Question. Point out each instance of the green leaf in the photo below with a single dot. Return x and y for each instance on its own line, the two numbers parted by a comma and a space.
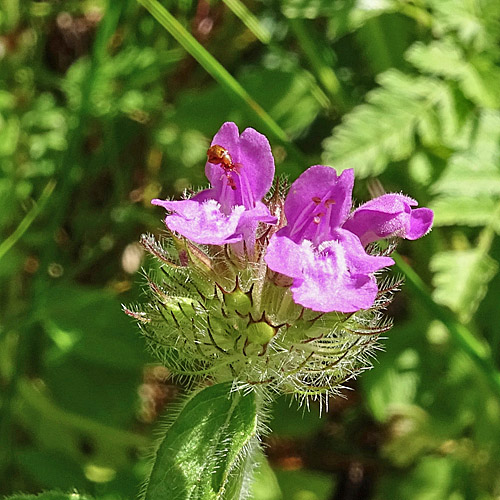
305, 485
464, 211
469, 188
477, 76
350, 16
475, 23
465, 177
384, 39
384, 129
52, 469
394, 384
49, 495
290, 421
265, 484
9, 136
433, 478
205, 446
73, 382
71, 436
474, 172
461, 279
90, 323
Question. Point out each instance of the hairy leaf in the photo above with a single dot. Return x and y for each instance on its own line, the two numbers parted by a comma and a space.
203, 449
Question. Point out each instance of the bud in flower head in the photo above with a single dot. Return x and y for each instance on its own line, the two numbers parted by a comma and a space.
290, 302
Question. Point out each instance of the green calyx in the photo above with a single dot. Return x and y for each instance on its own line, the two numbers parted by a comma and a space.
260, 333
210, 317
238, 302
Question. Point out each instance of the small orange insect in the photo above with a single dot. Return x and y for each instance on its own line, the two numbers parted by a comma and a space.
217, 155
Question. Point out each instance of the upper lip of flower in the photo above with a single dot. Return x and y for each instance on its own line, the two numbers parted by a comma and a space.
253, 172
318, 202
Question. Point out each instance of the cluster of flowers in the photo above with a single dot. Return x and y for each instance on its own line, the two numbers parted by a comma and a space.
279, 291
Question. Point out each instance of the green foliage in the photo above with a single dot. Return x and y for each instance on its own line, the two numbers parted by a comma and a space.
50, 495
476, 75
461, 279
205, 448
102, 109
384, 129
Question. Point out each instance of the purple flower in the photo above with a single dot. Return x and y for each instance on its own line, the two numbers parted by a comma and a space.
240, 170
322, 245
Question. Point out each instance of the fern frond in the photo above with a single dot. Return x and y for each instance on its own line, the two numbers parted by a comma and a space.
475, 23
476, 74
461, 279
384, 128
468, 190
463, 211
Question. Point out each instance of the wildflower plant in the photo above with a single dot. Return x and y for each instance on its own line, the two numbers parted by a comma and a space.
261, 290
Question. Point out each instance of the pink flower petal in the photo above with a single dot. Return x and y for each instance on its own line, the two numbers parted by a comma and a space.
203, 223
231, 210
332, 278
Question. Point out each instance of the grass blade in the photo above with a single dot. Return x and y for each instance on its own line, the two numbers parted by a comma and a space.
249, 20
219, 73
8, 243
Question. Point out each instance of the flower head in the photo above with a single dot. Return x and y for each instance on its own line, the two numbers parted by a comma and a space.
240, 169
322, 245
301, 311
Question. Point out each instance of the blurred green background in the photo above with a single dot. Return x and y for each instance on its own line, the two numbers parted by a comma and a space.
103, 107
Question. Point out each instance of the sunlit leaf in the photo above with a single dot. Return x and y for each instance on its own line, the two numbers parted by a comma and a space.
461, 279
204, 446
384, 128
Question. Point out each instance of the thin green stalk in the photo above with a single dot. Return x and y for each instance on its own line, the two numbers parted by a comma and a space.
8, 243
324, 73
249, 20
477, 350
219, 73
